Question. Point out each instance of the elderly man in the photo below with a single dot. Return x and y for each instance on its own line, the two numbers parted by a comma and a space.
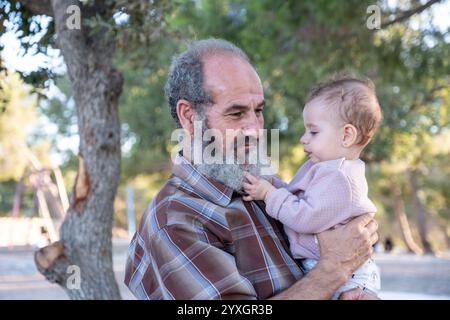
198, 239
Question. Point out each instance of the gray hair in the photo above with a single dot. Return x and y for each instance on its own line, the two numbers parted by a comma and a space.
185, 79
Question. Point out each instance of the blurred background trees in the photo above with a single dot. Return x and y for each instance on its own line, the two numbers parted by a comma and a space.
293, 45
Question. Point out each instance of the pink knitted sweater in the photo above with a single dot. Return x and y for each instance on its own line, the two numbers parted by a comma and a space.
319, 197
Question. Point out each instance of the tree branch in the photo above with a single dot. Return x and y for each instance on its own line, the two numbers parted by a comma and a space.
38, 7
51, 262
409, 13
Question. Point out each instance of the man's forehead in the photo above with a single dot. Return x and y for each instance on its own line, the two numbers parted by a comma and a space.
222, 61
224, 71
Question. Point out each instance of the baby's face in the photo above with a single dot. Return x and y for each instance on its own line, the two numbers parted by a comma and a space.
324, 131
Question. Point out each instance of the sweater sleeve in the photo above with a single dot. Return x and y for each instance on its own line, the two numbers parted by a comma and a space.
326, 203
277, 182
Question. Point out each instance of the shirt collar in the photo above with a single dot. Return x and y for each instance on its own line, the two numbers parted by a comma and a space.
209, 188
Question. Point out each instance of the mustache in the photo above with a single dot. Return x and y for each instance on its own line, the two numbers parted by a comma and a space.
246, 140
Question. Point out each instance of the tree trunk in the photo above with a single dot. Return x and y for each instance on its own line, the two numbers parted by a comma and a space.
87, 229
399, 210
420, 212
447, 237
17, 198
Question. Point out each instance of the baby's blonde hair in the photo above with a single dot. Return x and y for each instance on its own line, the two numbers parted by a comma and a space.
355, 99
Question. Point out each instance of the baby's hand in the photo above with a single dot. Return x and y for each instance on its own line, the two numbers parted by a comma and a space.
256, 188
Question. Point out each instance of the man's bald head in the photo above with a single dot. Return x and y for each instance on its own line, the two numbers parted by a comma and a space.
186, 76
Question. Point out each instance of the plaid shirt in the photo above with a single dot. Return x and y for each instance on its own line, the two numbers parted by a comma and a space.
199, 240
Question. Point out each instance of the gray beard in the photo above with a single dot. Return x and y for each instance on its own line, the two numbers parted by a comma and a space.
230, 175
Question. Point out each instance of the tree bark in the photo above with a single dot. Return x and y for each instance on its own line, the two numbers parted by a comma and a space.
399, 210
87, 229
420, 212
447, 237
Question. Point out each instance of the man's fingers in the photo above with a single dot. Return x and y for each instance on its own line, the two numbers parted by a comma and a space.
353, 294
247, 198
368, 296
363, 221
374, 238
368, 227
358, 294
372, 227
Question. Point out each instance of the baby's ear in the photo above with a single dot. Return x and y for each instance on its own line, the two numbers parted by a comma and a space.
350, 135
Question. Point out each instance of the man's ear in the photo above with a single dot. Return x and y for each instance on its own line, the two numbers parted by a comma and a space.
186, 115
350, 135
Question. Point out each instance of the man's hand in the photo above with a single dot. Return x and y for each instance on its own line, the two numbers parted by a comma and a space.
342, 251
357, 294
347, 247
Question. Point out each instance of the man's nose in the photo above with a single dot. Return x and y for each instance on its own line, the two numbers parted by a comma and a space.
252, 126
252, 132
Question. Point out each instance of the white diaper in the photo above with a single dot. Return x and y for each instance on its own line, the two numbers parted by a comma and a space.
367, 277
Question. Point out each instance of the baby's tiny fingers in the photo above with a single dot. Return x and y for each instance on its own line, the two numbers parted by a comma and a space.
246, 185
251, 177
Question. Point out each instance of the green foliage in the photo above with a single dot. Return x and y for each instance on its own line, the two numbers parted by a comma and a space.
293, 45
34, 32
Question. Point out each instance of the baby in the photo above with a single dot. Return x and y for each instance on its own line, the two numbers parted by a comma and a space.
340, 118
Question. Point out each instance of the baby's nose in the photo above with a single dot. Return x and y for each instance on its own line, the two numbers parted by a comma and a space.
303, 140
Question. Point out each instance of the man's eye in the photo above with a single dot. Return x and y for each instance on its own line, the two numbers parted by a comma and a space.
259, 110
236, 114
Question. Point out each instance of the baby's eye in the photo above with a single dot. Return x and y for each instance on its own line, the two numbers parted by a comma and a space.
314, 132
